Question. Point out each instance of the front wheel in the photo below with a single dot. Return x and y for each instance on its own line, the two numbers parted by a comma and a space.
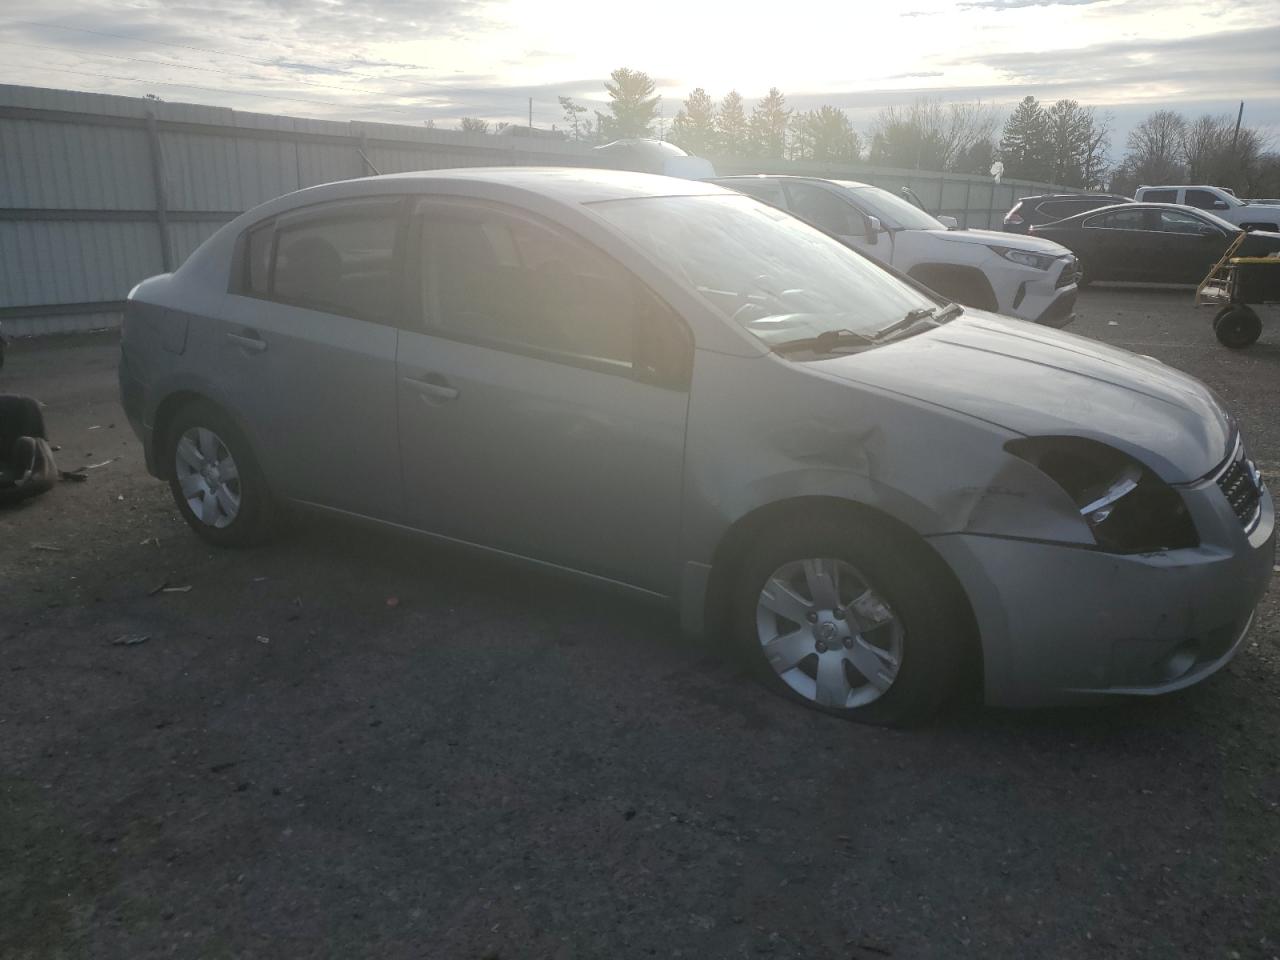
847, 619
1237, 326
215, 479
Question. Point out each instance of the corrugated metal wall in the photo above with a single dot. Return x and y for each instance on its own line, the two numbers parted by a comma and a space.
98, 192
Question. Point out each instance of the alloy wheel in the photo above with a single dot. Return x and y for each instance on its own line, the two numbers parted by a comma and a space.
208, 476
828, 633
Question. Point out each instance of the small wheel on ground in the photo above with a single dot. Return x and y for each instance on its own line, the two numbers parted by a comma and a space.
215, 479
846, 618
1237, 326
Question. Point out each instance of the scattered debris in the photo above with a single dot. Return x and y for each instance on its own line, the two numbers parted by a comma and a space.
1113, 323
95, 466
259, 579
77, 474
96, 426
262, 639
131, 639
167, 587
393, 601
155, 540
48, 546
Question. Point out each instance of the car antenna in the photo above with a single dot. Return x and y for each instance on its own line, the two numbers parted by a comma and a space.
368, 163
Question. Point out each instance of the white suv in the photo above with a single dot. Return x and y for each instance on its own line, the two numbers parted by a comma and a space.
1251, 215
1020, 276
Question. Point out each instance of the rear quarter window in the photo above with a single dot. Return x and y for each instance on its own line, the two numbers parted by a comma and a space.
1160, 196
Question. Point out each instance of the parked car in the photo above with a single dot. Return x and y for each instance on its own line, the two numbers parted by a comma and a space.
687, 394
1033, 211
1023, 277
1154, 242
1216, 200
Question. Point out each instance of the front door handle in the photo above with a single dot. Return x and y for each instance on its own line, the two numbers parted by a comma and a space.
432, 391
248, 341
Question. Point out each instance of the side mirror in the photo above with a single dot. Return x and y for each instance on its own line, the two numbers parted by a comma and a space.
951, 223
874, 229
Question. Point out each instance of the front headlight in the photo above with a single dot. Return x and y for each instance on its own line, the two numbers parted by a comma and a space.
1041, 261
1126, 506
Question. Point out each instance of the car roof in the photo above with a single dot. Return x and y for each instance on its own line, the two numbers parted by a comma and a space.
567, 184
1076, 196
1132, 205
789, 176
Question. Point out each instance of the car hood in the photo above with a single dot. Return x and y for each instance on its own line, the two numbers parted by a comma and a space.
1041, 382
1011, 241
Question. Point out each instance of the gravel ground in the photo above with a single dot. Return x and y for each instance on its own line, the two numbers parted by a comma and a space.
500, 764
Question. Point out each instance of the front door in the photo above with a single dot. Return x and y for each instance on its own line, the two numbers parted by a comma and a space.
832, 213
543, 395
1190, 246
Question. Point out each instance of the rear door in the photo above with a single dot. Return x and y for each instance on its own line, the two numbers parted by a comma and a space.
1117, 245
312, 333
543, 393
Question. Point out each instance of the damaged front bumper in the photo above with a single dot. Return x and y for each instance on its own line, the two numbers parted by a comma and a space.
1061, 622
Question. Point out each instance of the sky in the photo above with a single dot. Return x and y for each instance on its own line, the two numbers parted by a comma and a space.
409, 61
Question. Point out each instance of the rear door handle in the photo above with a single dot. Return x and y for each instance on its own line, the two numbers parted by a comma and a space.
249, 340
432, 391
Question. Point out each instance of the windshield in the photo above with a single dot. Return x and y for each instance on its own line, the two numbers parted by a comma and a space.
773, 275
894, 212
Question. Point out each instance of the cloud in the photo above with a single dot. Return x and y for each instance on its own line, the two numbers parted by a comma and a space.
1022, 4
924, 74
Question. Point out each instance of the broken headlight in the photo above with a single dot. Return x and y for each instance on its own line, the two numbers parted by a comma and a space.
1126, 506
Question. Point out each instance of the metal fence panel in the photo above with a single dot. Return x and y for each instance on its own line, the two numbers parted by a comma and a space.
98, 192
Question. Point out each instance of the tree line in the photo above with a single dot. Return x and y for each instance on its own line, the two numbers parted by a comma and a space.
1064, 143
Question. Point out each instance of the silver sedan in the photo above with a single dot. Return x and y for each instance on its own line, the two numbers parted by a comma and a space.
877, 495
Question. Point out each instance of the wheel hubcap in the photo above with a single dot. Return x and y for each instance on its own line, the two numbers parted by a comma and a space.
828, 633
208, 477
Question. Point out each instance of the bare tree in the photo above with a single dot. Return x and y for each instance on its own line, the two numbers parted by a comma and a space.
1156, 148
473, 125
930, 135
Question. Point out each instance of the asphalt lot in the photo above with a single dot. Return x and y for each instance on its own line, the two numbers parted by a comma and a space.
500, 764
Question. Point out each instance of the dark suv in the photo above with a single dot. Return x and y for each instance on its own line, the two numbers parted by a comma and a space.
1050, 208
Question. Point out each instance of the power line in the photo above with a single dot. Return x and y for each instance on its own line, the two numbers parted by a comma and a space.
223, 90
188, 66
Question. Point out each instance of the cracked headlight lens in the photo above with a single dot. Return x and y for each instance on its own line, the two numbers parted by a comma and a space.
1125, 505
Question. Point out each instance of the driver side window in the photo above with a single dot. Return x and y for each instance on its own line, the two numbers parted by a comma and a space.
511, 282
824, 210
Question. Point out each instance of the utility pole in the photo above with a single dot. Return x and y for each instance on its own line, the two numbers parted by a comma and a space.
1236, 136
531, 113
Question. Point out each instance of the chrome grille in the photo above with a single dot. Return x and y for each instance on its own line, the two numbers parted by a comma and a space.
1241, 484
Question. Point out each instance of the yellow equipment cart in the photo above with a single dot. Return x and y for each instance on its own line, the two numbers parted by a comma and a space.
1233, 284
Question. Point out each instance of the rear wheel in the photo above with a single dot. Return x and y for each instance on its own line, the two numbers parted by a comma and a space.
1237, 326
215, 479
846, 618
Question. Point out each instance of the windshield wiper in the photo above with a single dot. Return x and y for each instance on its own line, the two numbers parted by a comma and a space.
932, 315
825, 342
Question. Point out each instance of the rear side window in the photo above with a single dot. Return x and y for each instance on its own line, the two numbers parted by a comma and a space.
342, 258
1119, 220
1061, 209
1161, 196
766, 190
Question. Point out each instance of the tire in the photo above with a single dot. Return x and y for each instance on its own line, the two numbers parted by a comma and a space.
20, 417
1237, 327
920, 652
208, 457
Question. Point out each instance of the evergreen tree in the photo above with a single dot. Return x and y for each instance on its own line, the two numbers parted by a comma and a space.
768, 123
833, 136
579, 126
1025, 144
733, 133
632, 103
694, 127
